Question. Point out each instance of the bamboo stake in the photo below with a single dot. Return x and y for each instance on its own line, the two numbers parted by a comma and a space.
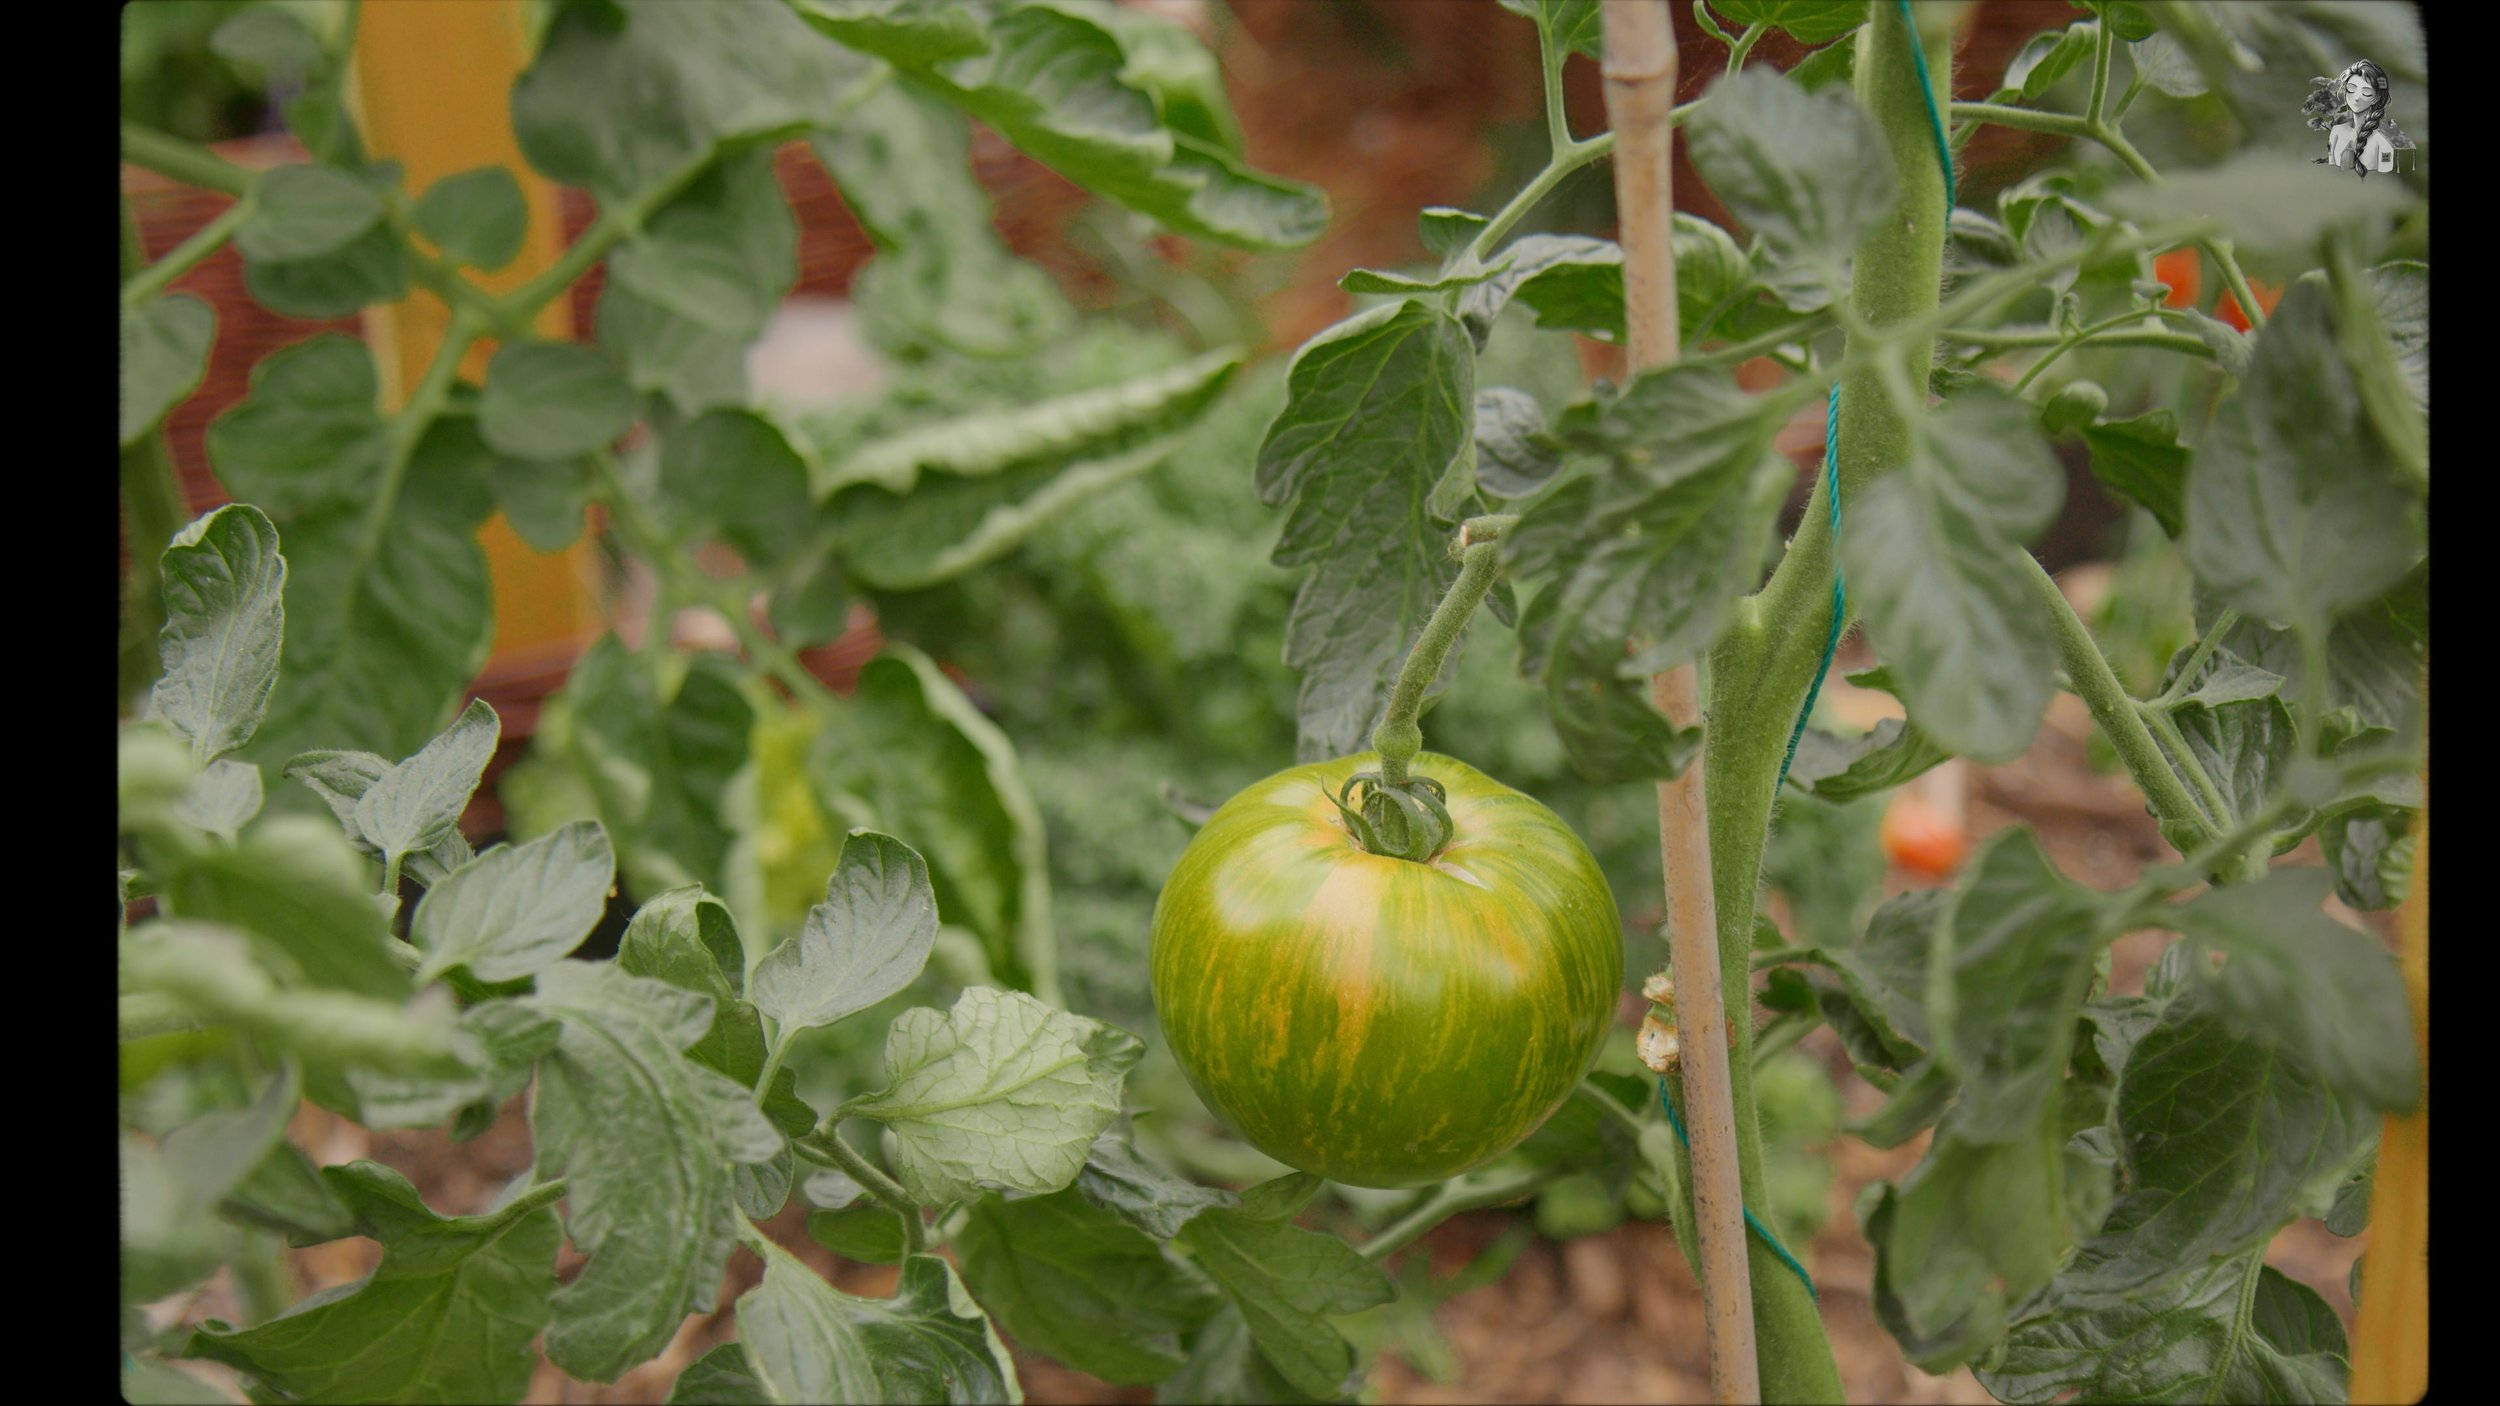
1640, 76
2391, 1343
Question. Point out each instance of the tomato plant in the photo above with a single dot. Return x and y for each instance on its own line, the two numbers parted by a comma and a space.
929, 966
1376, 1020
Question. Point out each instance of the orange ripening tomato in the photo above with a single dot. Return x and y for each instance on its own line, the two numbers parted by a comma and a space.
2229, 310
1920, 838
2182, 270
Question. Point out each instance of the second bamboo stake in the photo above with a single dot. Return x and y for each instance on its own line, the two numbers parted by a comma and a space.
1640, 75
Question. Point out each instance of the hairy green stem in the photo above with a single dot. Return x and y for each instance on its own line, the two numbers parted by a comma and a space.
2063, 124
2104, 39
2115, 709
2127, 99
407, 429
2206, 644
153, 510
2062, 342
1557, 122
827, 1145
2166, 728
183, 257
1762, 668
773, 1060
1739, 51
1449, 1199
2226, 257
611, 228
681, 581
1400, 736
187, 162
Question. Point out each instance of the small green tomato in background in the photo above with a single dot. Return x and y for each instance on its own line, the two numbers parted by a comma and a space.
2076, 404
1375, 1020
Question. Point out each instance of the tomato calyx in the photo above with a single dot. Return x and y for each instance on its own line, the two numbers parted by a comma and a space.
1408, 820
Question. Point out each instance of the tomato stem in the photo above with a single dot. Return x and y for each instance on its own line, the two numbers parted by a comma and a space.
826, 1145
1399, 736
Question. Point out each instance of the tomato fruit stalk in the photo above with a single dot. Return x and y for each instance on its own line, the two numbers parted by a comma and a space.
1373, 1019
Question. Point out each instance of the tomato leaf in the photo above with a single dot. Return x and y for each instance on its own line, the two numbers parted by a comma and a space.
516, 908
1284, 1280
475, 217
1514, 455
384, 629
737, 473
1806, 171
1226, 1368
656, 768
225, 625
805, 1340
633, 97
1806, 21
2142, 461
510, 1039
1569, 26
687, 938
1057, 82
1672, 534
1933, 560
866, 941
482, 1281
902, 159
553, 400
301, 212
2291, 514
416, 805
2330, 994
164, 347
2011, 961
1377, 408
305, 897
1000, 1093
1573, 282
722, 253
1146, 1196
2224, 1141
341, 780
370, 268
1075, 425
1843, 769
1077, 1282
2045, 58
2191, 1338
645, 1140
913, 747
661, 353
979, 486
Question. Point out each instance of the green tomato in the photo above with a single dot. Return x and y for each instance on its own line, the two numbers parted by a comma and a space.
1374, 1020
2076, 406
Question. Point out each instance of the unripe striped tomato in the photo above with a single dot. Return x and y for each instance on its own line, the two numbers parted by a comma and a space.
1374, 1020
